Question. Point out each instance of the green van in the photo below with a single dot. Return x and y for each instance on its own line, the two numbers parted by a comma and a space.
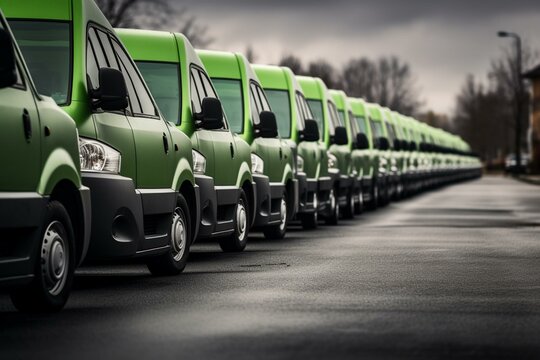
137, 165
297, 126
364, 151
222, 160
44, 208
250, 117
380, 138
324, 111
350, 181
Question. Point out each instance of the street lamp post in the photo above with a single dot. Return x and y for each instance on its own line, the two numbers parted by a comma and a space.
518, 95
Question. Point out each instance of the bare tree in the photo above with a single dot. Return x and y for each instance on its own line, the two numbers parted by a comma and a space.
155, 15
292, 62
324, 70
387, 81
250, 54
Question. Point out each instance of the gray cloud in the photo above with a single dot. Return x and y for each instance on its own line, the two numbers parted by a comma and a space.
442, 40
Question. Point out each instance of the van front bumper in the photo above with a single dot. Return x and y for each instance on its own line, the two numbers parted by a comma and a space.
117, 216
307, 191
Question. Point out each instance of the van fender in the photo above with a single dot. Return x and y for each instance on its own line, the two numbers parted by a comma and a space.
182, 173
244, 174
58, 166
287, 173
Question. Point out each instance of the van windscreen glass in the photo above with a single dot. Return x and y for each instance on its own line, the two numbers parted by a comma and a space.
279, 102
46, 46
230, 94
361, 123
316, 108
163, 81
341, 114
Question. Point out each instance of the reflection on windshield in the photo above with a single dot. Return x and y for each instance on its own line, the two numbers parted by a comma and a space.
230, 94
46, 48
163, 81
279, 102
316, 108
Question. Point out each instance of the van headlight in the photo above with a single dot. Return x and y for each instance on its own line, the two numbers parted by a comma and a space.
332, 161
96, 156
299, 163
257, 164
199, 162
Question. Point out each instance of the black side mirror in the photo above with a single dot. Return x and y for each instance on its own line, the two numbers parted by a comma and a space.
268, 125
340, 136
8, 75
397, 145
383, 143
412, 146
362, 142
112, 92
211, 115
311, 131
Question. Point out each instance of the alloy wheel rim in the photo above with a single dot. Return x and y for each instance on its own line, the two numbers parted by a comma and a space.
178, 235
241, 221
283, 212
54, 258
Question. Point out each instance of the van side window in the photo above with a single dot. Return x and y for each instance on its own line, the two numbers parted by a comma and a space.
264, 100
255, 105
145, 100
107, 47
208, 88
194, 94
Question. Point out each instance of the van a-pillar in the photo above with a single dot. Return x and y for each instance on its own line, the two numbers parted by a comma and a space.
534, 76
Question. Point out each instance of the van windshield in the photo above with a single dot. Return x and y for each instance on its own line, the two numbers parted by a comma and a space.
341, 114
163, 81
279, 102
376, 127
316, 108
230, 94
361, 124
46, 46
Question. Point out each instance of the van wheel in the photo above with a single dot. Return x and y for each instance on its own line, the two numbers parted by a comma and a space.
359, 205
54, 264
238, 240
351, 205
333, 219
276, 232
374, 203
174, 261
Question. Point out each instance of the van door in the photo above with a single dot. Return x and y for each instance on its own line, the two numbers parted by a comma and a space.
153, 142
111, 127
272, 147
227, 161
20, 136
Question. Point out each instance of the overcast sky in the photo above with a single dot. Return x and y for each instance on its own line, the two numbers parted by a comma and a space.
441, 40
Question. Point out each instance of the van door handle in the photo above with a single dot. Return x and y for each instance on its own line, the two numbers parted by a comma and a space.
280, 153
232, 150
165, 143
27, 125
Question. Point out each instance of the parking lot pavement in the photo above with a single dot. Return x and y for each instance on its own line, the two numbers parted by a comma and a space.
453, 273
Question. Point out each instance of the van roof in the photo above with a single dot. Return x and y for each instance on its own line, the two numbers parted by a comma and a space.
313, 87
150, 45
221, 64
38, 9
273, 77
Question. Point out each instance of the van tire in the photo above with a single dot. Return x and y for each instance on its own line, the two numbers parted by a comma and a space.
277, 232
333, 218
50, 287
174, 261
238, 240
351, 206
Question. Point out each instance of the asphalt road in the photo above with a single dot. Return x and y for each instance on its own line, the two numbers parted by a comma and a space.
453, 273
